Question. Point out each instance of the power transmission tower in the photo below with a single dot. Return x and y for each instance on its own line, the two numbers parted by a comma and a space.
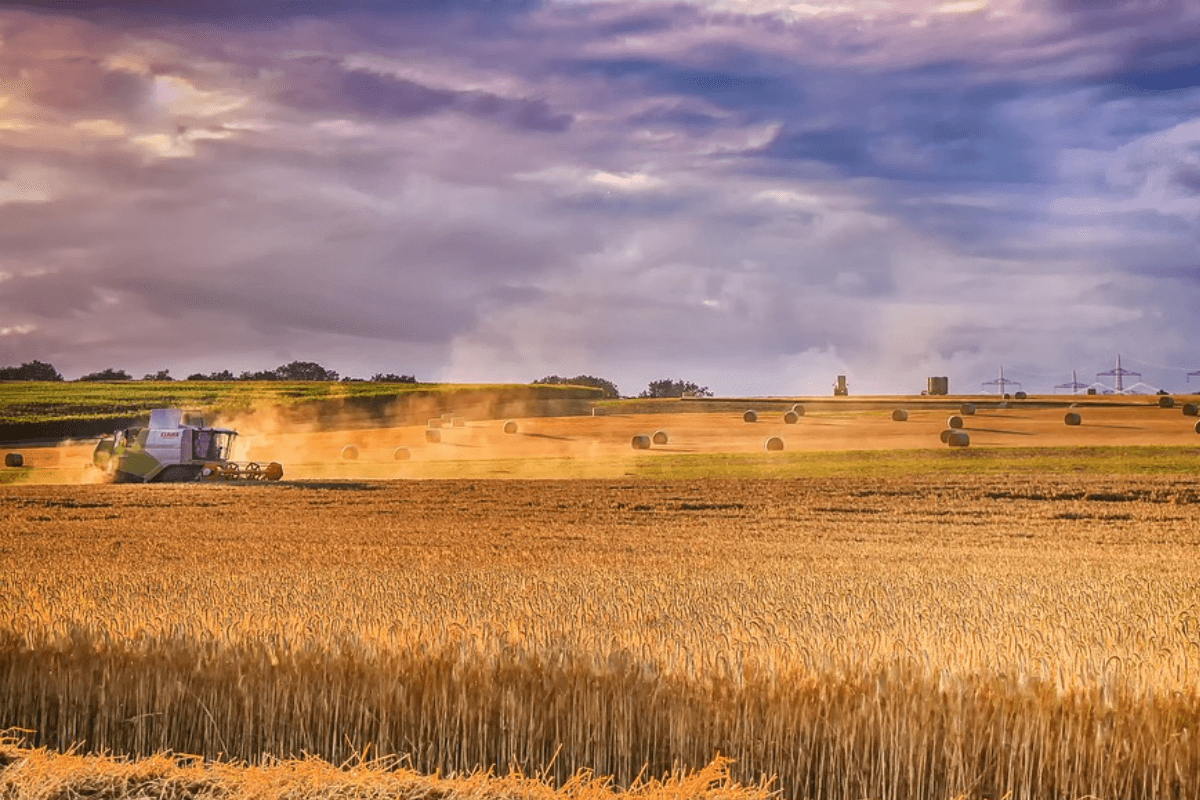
1074, 385
1119, 374
1001, 383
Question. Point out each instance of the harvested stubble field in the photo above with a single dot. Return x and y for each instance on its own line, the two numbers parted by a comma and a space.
916, 637
712, 444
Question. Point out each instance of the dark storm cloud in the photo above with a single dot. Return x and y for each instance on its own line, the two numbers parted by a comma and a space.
267, 10
1138, 47
52, 296
1103, 16
727, 88
81, 85
1187, 177
271, 300
729, 190
323, 85
674, 116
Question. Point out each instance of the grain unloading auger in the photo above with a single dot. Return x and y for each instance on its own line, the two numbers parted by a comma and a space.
175, 447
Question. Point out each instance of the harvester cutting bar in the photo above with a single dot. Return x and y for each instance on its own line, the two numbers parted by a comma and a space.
242, 471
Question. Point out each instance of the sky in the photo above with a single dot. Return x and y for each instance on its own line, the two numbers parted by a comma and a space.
755, 195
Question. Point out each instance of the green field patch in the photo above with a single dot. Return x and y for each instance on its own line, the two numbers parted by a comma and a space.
23, 403
1150, 460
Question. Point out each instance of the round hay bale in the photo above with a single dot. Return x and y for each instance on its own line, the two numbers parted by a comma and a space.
799, 409
1166, 401
14, 460
434, 423
899, 415
955, 422
966, 409
660, 437
959, 439
774, 443
640, 442
350, 452
1191, 410
1198, 427
1072, 418
433, 435
1020, 395
750, 416
946, 435
510, 427
401, 454
791, 418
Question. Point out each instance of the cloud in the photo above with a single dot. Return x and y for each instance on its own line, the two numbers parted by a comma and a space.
713, 191
321, 85
266, 10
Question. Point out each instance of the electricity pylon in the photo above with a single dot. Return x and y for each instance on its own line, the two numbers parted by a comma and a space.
1001, 382
1119, 374
1074, 385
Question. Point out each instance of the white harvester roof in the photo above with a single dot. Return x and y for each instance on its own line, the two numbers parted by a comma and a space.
174, 418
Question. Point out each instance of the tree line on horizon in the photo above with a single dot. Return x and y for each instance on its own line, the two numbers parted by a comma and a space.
311, 371
666, 387
294, 371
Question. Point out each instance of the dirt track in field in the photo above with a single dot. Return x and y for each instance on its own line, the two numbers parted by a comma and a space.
600, 446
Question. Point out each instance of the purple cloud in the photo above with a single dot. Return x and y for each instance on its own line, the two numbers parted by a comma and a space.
320, 85
631, 189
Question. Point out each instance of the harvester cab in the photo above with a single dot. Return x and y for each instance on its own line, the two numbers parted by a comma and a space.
176, 446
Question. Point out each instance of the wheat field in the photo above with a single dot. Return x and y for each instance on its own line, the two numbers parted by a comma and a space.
925, 637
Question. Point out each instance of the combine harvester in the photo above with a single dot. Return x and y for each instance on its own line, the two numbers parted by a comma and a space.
176, 447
